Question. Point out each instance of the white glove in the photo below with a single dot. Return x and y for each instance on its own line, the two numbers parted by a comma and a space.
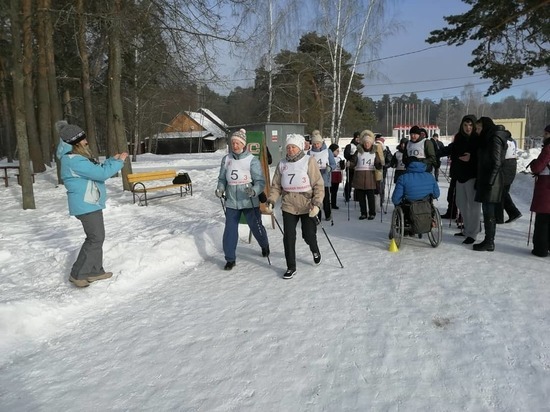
329, 169
249, 191
219, 193
269, 207
314, 212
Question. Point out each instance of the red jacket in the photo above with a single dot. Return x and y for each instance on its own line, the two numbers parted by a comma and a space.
541, 195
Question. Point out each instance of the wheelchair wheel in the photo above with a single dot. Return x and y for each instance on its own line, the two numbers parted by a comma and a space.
397, 229
436, 234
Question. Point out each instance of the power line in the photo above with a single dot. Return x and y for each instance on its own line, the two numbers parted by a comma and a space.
448, 88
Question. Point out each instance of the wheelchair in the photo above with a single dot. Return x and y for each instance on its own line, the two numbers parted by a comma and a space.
402, 223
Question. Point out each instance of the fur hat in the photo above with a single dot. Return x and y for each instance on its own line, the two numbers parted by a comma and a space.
69, 133
316, 137
367, 136
239, 135
415, 130
296, 140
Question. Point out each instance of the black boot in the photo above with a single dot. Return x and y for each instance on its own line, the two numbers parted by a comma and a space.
488, 243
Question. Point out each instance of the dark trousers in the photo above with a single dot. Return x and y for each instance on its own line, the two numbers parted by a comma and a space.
451, 199
90, 258
334, 193
489, 221
541, 234
309, 234
364, 197
507, 205
326, 203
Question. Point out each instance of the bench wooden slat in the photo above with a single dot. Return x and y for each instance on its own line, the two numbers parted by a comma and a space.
151, 189
148, 176
140, 188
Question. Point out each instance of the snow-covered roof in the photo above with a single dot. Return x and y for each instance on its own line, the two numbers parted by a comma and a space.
208, 124
213, 117
186, 135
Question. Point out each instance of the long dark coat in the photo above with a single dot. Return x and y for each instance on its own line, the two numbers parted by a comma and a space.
541, 194
490, 159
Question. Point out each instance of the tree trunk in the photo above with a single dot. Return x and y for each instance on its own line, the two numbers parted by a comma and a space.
44, 7
67, 105
115, 99
19, 109
42, 91
30, 115
5, 111
85, 79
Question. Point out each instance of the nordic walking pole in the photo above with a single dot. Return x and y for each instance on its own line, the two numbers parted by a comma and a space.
348, 190
223, 203
453, 206
278, 225
389, 190
257, 221
329, 242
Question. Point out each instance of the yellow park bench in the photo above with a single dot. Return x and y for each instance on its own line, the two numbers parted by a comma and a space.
159, 181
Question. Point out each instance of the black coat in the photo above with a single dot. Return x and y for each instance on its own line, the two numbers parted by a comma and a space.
462, 143
491, 155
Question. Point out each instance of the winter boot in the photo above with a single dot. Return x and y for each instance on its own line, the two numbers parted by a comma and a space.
488, 244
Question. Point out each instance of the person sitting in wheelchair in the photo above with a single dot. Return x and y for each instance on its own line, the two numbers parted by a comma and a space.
415, 184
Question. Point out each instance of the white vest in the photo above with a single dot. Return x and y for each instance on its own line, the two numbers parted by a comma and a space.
294, 177
511, 150
365, 161
416, 149
237, 171
321, 158
400, 164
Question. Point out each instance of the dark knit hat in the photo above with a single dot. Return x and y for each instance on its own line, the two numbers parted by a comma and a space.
69, 133
333, 147
307, 138
415, 130
547, 128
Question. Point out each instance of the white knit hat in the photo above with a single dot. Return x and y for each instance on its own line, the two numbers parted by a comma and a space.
295, 139
316, 137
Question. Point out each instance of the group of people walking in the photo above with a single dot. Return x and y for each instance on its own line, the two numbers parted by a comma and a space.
307, 178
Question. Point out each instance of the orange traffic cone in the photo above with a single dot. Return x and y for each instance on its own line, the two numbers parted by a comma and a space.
393, 246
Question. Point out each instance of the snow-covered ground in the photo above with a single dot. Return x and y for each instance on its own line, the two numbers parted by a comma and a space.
423, 329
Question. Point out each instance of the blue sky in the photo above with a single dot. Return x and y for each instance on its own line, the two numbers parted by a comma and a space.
431, 71
419, 71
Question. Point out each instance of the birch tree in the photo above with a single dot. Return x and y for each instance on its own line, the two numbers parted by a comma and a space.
355, 26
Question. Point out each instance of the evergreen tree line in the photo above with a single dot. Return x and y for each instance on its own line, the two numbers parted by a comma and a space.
123, 69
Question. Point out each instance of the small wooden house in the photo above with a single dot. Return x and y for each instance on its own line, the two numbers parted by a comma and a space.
192, 132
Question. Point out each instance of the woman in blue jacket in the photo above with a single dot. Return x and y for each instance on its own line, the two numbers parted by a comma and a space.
240, 181
84, 178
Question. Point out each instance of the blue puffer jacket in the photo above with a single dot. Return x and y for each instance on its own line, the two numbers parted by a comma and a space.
415, 184
331, 162
84, 180
236, 197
